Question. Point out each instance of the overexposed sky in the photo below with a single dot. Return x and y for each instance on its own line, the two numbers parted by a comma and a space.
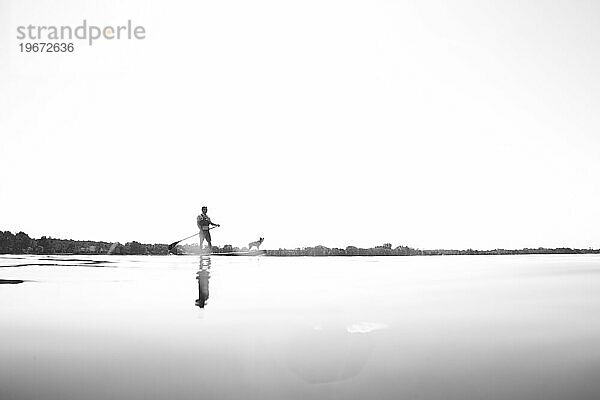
431, 124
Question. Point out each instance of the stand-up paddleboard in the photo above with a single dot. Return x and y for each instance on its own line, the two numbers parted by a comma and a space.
233, 253
242, 253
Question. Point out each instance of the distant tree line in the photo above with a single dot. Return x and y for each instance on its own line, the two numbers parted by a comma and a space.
538, 250
21, 243
387, 250
322, 251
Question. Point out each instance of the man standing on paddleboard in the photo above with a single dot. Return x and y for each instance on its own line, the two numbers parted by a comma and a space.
204, 224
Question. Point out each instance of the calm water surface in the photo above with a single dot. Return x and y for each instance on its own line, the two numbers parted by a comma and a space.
111, 327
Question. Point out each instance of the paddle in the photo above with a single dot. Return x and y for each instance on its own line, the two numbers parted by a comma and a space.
191, 236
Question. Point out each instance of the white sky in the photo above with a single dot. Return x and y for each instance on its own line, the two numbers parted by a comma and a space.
424, 123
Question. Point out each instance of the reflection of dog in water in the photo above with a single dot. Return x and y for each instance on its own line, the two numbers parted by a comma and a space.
255, 244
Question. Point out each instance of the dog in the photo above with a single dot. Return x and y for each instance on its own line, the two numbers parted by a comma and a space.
255, 244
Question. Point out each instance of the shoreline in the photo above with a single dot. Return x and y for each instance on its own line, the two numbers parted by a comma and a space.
268, 254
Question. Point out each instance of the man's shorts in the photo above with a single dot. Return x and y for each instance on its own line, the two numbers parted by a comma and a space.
205, 235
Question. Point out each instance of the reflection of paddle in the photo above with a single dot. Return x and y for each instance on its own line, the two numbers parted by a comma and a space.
191, 236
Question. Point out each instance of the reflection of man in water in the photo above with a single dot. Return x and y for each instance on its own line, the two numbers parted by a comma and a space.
204, 224
203, 276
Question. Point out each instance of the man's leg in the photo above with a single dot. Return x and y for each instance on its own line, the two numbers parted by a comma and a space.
201, 240
209, 241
